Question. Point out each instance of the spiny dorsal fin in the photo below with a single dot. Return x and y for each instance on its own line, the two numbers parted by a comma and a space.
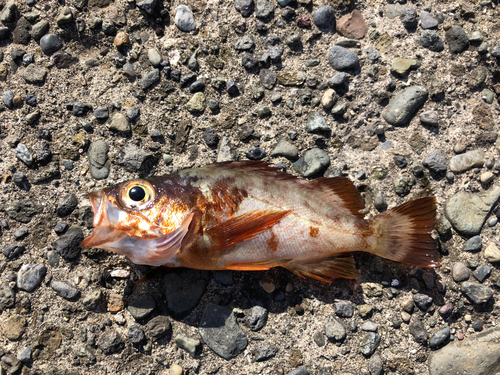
243, 228
341, 192
340, 266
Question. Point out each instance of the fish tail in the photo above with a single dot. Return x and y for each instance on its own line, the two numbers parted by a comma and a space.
402, 233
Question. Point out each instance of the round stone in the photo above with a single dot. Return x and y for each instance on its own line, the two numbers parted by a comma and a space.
324, 18
50, 43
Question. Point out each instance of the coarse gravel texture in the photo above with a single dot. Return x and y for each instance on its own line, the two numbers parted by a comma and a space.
94, 92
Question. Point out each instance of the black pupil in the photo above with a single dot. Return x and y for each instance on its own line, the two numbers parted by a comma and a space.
137, 193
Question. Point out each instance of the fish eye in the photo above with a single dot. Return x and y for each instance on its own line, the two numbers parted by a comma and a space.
135, 194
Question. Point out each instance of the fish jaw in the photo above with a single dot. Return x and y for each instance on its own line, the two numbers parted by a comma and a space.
148, 251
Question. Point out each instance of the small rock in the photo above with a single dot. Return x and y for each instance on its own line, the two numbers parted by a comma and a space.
481, 273
23, 154
476, 293
119, 122
431, 40
148, 6
30, 276
110, 342
409, 18
473, 244
418, 331
285, 149
68, 245
404, 104
422, 301
257, 318
314, 162
91, 300
335, 330
264, 9
427, 21
469, 160
344, 309
136, 334
98, 160
159, 327
317, 123
121, 39
352, 25
64, 289
341, 58
14, 327
49, 43
255, 153
429, 118
245, 7
150, 79
40, 29
324, 18
188, 344
435, 162
141, 305
460, 272
67, 205
457, 40
369, 343
184, 19
221, 333
492, 253
439, 337
197, 103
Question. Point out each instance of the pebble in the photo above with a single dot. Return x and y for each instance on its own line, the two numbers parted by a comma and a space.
23, 154
67, 205
264, 9
285, 149
21, 33
13, 251
24, 355
409, 18
257, 318
221, 333
110, 342
404, 104
197, 103
30, 276
460, 272
335, 330
299, 371
64, 289
7, 297
427, 21
467, 212
314, 162
486, 178
446, 310
22, 210
401, 67
249, 62
474, 243
324, 18
13, 328
492, 253
184, 19
159, 327
316, 123
92, 299
120, 123
369, 343
245, 7
40, 29
341, 58
141, 305
121, 39
379, 202
183, 289
375, 365
477, 354
188, 344
435, 162
154, 57
8, 14
101, 113
149, 79
8, 99
245, 43
344, 309
469, 160
439, 337
403, 185
34, 75
68, 245
49, 43
429, 118
338, 80
352, 25
481, 273
129, 70
476, 293
457, 40
136, 334
418, 331
369, 326
423, 301
255, 153
98, 159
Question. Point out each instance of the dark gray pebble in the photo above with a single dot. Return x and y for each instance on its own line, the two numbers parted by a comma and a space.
141, 305
409, 18
13, 251
341, 58
149, 79
264, 9
344, 309
324, 18
101, 113
245, 7
423, 301
255, 153
49, 43
482, 272
439, 337
136, 334
418, 331
427, 21
220, 331
474, 243
457, 39
435, 162
67, 205
159, 327
257, 318
68, 245
476, 293
110, 342
299, 371
264, 352
431, 40
369, 343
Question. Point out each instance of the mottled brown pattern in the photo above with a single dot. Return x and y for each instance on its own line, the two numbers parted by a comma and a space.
273, 242
313, 232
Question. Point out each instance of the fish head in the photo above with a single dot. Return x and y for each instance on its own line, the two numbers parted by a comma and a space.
139, 219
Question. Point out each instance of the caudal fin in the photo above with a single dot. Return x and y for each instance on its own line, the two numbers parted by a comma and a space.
402, 233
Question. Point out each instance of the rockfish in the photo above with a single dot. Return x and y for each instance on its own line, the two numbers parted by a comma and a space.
250, 216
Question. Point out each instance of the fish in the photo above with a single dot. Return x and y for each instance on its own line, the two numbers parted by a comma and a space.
248, 216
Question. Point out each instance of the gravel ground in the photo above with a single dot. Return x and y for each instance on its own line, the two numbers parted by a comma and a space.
400, 97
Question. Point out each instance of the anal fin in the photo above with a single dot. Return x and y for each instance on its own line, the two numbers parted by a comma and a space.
243, 228
340, 266
257, 266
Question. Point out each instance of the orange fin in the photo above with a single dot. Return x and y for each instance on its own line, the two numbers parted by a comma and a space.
403, 233
340, 266
243, 228
341, 192
257, 266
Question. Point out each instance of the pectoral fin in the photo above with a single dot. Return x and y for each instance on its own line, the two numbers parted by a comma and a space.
243, 228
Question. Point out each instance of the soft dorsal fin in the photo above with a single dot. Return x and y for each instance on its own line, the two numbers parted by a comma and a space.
340, 266
341, 192
242, 228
